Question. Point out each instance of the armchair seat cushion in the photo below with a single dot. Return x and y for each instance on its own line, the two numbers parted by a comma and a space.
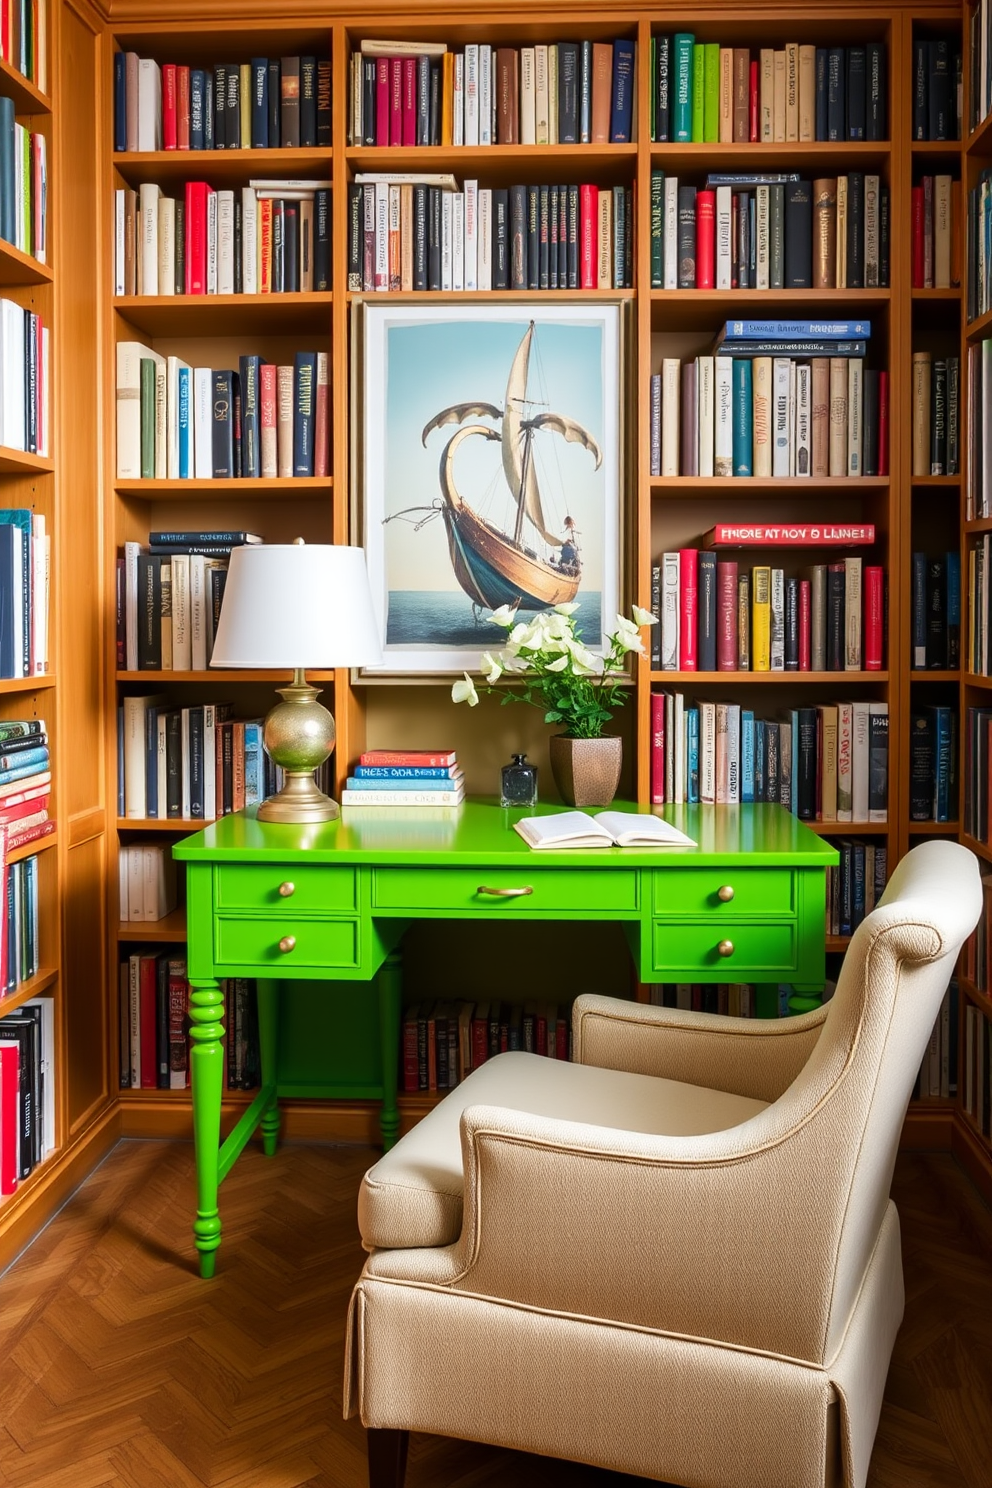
413, 1195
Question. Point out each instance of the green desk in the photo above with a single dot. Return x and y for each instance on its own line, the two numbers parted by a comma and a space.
331, 903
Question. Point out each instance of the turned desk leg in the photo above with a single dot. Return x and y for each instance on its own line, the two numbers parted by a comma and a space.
389, 981
387, 1457
206, 1012
268, 1042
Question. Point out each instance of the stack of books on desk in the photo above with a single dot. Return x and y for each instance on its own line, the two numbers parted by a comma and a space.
405, 777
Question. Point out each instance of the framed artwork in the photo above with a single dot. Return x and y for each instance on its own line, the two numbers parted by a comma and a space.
488, 448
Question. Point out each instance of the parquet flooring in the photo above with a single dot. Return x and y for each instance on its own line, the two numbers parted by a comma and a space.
120, 1368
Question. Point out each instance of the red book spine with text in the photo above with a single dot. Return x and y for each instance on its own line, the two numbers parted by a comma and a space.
196, 236
178, 1039
479, 1033
588, 237
169, 105
321, 415
705, 239
874, 618
752, 98
148, 987
883, 423
805, 625
21, 837
790, 535
382, 101
411, 1060
425, 757
917, 216
10, 1113
726, 617
409, 122
264, 229
10, 815
657, 749
182, 108
396, 100
688, 609
561, 1038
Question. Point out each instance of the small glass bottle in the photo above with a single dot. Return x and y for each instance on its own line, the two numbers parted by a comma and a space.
519, 783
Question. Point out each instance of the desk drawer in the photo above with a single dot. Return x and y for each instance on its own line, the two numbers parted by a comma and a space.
254, 943
760, 952
440, 891
258, 885
696, 891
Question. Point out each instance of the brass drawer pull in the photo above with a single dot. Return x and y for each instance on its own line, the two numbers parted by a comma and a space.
724, 895
504, 893
725, 948
288, 943
286, 890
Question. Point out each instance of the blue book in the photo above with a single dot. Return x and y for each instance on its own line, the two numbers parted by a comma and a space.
38, 757
251, 423
742, 417
747, 756
404, 772
355, 782
918, 611
952, 604
185, 424
20, 772
943, 754
621, 114
120, 102
791, 330
254, 764
208, 111
260, 103
304, 409
197, 108
681, 94
692, 756
10, 663
8, 201
585, 92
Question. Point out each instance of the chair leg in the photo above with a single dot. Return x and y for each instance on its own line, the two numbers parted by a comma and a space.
387, 1457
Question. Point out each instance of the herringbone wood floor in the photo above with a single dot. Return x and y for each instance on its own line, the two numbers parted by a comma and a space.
120, 1367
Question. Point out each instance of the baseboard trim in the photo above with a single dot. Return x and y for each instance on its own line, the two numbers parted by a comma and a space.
302, 1121
927, 1129
972, 1154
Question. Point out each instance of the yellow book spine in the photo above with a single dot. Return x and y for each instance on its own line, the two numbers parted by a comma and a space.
761, 620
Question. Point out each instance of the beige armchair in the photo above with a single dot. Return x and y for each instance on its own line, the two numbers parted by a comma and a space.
677, 1256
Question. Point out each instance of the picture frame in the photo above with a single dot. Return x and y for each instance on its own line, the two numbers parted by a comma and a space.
461, 508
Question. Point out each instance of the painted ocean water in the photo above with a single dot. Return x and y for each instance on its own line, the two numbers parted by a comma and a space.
418, 617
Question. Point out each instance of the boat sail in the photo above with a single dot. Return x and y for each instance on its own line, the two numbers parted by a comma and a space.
495, 567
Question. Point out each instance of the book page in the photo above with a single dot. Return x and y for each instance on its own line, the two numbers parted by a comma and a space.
631, 829
567, 829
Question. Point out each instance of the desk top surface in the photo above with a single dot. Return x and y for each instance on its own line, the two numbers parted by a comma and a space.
481, 831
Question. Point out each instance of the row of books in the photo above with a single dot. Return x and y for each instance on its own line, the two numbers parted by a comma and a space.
25, 384
978, 247
938, 1074
936, 250
770, 417
147, 879
936, 441
421, 235
443, 1041
19, 928
937, 79
27, 1090
976, 954
935, 611
978, 491
978, 656
154, 1024
743, 231
25, 783
169, 594
933, 764
262, 104
413, 777
715, 615
977, 815
25, 572
23, 185
977, 1094
420, 93
252, 241
980, 62
24, 39
729, 999
855, 884
177, 422
825, 763
706, 92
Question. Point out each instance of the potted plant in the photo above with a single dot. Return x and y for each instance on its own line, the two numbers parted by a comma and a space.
549, 666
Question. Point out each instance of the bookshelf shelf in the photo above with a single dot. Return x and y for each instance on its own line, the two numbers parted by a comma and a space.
27, 684
940, 482
847, 828
40, 845
837, 942
222, 167
171, 928
521, 297
980, 999
836, 679
978, 524
935, 676
729, 485
486, 161
934, 828
17, 267
979, 328
971, 679
979, 141
219, 315
27, 98
937, 149
208, 490
19, 462
154, 824
980, 849
822, 156
704, 309
42, 981
219, 675
924, 296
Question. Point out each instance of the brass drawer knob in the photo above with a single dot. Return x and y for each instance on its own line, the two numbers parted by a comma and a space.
504, 893
724, 895
725, 948
288, 943
286, 890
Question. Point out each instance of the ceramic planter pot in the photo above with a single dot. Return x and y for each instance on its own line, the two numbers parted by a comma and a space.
586, 771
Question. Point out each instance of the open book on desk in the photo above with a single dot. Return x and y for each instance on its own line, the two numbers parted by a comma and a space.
573, 829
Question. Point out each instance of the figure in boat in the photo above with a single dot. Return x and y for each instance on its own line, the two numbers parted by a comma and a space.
496, 567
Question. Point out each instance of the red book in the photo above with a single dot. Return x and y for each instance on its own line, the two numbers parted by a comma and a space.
541, 1029
169, 105
396, 100
688, 609
480, 1034
726, 617
382, 101
805, 625
182, 108
752, 112
874, 618
588, 237
883, 423
657, 749
409, 123
197, 193
147, 988
411, 1061
426, 757
267, 375
10, 815
21, 838
705, 239
786, 535
10, 1109
29, 788
917, 216
320, 417
561, 1038
734, 229
178, 1039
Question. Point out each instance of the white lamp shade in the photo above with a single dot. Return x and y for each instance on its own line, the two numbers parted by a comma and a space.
296, 605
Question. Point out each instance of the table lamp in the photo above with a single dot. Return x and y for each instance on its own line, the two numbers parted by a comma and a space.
297, 606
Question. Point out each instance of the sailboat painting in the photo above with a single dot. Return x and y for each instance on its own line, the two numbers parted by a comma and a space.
491, 472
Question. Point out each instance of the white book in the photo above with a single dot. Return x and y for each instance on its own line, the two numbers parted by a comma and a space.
720, 750
225, 242
166, 245
131, 551
162, 760
542, 102
670, 612
792, 417
485, 95
705, 395
855, 393
249, 241
553, 95
172, 365
723, 416
804, 419
762, 254
458, 101
766, 95
670, 255
182, 654
447, 216
148, 197
845, 759
129, 358
135, 721
158, 873
119, 242
528, 97
458, 240
679, 753
671, 380
733, 754
860, 732
670, 752
39, 593
203, 423
149, 104
471, 235
471, 103
575, 829
485, 254
724, 228
211, 242
707, 754
161, 419
780, 416
777, 621
198, 611
852, 614
209, 753
380, 261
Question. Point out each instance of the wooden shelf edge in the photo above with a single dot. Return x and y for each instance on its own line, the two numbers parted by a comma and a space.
840, 678
269, 486
35, 986
170, 929
41, 844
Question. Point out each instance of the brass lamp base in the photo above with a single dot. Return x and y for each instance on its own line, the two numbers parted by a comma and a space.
298, 735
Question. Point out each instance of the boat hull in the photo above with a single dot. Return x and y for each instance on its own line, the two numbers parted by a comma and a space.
493, 572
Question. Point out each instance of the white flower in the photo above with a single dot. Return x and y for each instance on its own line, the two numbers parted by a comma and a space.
506, 616
584, 663
464, 692
491, 665
565, 609
559, 665
626, 636
643, 617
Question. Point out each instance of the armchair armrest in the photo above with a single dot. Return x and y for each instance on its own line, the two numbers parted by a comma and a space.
757, 1057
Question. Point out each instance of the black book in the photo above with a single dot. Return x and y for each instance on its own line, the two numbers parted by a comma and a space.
39, 1056
227, 767
855, 230
304, 409
857, 93
568, 93
518, 237
278, 243
501, 238
878, 765
195, 763
289, 98
921, 90
232, 110
323, 104
24, 1031
275, 104
553, 238
563, 282
921, 766
936, 602
223, 424
798, 235
706, 631
741, 268
585, 92
941, 114
216, 583
846, 887
239, 267
196, 91
776, 236
291, 246
423, 129
877, 116
869, 423
308, 102
420, 214
884, 234
619, 238
120, 102
220, 106
322, 238
354, 238
953, 416
770, 764
836, 94
162, 1022
179, 283
835, 617
938, 417
149, 612
792, 625
434, 239
368, 101
236, 427
543, 238
173, 765
662, 87
533, 236
434, 115
857, 883
251, 450
686, 245
209, 112
573, 237
820, 109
